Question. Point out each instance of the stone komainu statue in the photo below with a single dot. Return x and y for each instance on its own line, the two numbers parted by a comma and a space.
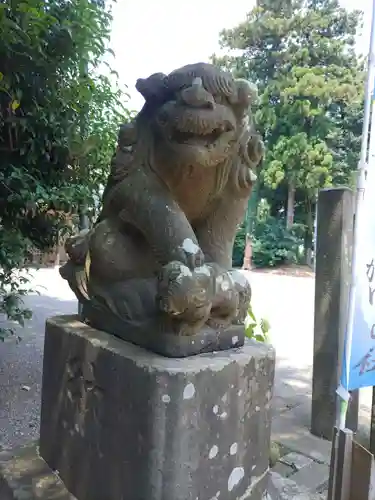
158, 259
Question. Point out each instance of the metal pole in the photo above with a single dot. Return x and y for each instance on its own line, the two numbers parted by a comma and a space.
371, 161
368, 93
359, 198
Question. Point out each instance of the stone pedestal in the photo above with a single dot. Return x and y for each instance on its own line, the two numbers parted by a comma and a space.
122, 423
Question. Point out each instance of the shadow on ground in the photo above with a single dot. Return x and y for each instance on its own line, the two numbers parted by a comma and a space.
293, 396
292, 387
21, 367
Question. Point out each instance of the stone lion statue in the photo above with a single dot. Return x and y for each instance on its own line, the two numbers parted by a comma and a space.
159, 256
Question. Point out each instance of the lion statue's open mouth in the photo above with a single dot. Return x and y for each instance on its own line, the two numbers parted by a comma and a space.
204, 132
193, 127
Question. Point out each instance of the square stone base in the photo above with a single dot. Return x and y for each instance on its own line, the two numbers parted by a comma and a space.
24, 475
122, 423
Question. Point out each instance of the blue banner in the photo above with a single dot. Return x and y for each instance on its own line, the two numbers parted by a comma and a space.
359, 357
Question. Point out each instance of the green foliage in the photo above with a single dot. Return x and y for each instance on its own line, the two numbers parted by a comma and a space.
239, 246
301, 55
274, 244
59, 117
13, 283
257, 330
291, 153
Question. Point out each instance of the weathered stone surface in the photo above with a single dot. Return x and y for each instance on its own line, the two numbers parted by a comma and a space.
296, 460
122, 423
24, 475
312, 477
159, 257
288, 432
332, 280
155, 338
283, 469
282, 488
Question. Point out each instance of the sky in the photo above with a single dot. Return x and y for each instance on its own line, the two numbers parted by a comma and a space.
159, 36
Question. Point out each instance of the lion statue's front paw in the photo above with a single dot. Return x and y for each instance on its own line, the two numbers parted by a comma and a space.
185, 294
204, 295
243, 289
232, 299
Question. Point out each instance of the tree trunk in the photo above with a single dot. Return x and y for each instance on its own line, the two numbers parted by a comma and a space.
251, 215
290, 207
309, 232
248, 253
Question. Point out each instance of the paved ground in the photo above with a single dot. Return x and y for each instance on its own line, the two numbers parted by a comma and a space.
302, 471
21, 364
287, 302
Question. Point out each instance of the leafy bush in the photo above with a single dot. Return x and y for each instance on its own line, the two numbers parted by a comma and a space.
257, 330
273, 244
13, 283
59, 119
239, 246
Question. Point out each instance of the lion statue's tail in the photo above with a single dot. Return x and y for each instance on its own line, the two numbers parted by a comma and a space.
77, 270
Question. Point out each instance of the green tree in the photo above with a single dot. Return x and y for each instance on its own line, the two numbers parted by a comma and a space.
59, 117
301, 55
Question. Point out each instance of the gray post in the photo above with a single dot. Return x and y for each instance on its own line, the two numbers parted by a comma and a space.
372, 424
341, 465
332, 280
